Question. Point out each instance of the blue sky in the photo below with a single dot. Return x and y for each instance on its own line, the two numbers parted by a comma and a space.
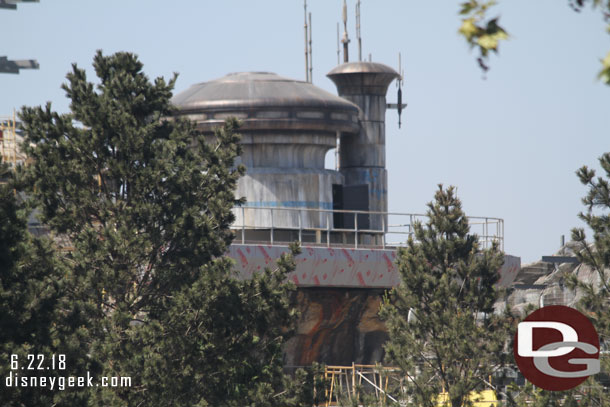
510, 143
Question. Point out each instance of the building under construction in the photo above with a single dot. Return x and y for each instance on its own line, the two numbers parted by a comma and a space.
340, 215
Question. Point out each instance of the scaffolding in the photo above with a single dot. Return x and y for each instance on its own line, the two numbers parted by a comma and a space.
383, 385
350, 383
10, 139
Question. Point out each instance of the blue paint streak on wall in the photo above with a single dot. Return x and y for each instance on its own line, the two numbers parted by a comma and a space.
289, 204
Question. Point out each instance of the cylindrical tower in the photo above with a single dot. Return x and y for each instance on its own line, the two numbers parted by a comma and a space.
288, 126
362, 157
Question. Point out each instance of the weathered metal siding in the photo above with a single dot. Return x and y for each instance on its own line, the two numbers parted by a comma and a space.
287, 128
338, 298
362, 158
287, 188
339, 267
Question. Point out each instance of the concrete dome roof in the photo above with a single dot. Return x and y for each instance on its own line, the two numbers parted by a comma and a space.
265, 100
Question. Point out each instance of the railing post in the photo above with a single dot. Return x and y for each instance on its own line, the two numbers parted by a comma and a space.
271, 225
410, 224
486, 232
498, 233
354, 379
383, 231
502, 234
356, 229
243, 225
327, 230
300, 227
410, 227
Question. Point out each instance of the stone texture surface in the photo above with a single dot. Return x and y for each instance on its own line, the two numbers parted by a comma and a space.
540, 283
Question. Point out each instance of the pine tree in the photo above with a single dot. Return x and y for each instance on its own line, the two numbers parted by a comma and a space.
31, 301
443, 332
141, 203
596, 299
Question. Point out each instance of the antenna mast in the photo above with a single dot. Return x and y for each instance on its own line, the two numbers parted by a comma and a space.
399, 82
306, 42
310, 52
398, 106
338, 48
345, 39
358, 30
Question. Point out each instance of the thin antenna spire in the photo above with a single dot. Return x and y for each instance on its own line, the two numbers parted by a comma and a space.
306, 43
338, 48
400, 70
399, 66
358, 30
399, 84
345, 39
310, 52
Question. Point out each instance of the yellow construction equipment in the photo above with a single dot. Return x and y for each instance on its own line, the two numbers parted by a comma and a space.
483, 398
344, 383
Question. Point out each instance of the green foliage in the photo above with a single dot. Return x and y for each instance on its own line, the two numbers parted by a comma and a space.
479, 31
485, 34
443, 332
604, 7
32, 301
604, 73
142, 203
308, 388
596, 296
597, 255
530, 396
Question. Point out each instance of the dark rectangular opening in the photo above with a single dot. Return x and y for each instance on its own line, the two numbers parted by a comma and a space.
353, 198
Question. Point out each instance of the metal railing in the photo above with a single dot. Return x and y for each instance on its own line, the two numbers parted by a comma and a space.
353, 228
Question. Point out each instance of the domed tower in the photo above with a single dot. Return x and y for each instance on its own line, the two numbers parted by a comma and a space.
287, 128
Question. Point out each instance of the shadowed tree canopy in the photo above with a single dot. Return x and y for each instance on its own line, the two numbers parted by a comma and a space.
139, 204
31, 300
443, 332
596, 299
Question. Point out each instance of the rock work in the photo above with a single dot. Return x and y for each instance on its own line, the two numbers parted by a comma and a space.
337, 327
541, 283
